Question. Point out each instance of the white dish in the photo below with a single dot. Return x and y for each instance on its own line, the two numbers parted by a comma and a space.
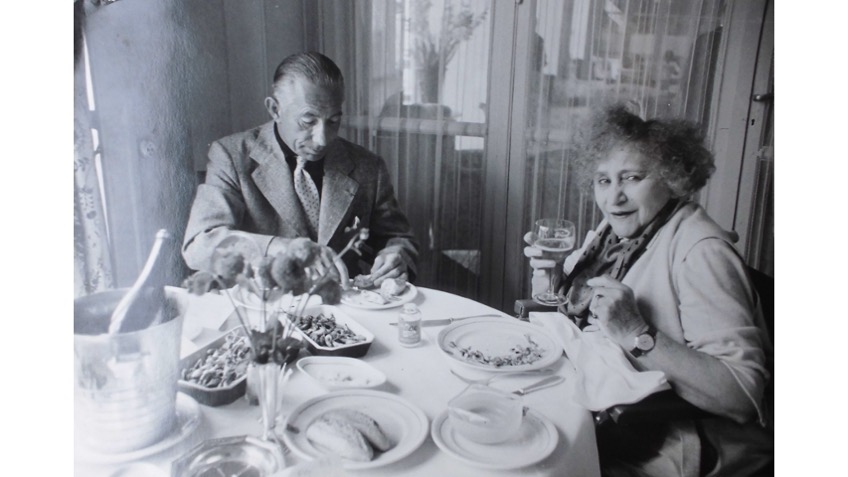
535, 440
188, 417
404, 424
335, 372
353, 299
496, 337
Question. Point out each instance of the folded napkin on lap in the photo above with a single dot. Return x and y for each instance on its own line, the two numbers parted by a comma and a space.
604, 377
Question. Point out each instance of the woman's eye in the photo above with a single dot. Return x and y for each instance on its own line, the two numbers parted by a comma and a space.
308, 121
633, 178
602, 181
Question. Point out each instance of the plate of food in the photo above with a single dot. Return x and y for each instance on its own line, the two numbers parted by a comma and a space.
362, 427
391, 293
500, 345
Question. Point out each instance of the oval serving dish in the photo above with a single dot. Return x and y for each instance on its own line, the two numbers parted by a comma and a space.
336, 372
352, 350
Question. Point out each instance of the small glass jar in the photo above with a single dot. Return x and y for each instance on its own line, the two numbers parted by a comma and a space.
409, 325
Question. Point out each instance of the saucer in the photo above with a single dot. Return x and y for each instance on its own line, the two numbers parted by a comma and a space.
188, 418
535, 440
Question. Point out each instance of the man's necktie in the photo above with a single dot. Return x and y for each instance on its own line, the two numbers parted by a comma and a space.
308, 195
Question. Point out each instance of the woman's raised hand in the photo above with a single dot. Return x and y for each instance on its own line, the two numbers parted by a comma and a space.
614, 310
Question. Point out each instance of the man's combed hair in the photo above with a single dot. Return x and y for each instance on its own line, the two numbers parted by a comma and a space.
676, 147
311, 65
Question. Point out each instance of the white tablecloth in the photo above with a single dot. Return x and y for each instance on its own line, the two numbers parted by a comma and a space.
419, 374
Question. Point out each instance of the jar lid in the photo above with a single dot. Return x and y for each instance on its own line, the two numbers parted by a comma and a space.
410, 308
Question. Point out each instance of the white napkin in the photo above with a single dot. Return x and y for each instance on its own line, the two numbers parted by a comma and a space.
209, 311
604, 377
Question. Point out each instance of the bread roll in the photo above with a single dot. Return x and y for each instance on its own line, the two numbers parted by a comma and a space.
340, 437
392, 286
364, 424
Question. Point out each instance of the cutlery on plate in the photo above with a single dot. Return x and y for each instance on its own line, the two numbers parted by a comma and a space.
545, 383
447, 321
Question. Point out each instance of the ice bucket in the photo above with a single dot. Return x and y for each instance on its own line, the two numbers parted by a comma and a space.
125, 384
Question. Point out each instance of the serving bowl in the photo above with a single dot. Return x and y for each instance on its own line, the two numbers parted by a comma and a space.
337, 372
213, 396
351, 350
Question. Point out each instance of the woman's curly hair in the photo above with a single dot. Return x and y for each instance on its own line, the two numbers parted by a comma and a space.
675, 146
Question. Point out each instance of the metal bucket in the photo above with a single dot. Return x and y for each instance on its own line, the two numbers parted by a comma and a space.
125, 385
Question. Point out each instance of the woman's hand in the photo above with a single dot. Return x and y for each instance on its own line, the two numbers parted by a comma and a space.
614, 310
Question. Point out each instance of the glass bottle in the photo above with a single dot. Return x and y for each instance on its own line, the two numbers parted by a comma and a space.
144, 304
409, 325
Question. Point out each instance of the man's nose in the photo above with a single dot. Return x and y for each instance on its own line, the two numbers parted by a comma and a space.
319, 134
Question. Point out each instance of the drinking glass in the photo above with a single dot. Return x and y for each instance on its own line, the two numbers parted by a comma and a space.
555, 238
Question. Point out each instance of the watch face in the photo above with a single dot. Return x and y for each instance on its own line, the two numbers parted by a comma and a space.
645, 342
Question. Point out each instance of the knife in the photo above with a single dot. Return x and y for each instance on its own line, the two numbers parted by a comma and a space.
448, 321
545, 383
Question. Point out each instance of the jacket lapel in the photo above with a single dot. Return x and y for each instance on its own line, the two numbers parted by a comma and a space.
274, 179
337, 192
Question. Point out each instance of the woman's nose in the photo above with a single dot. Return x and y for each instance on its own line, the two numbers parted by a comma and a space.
617, 194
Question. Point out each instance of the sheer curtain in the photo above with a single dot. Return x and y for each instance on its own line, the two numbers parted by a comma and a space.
417, 76
92, 265
656, 55
421, 82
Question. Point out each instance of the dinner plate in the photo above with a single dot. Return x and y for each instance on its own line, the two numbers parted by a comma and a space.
535, 440
496, 337
356, 301
404, 424
188, 417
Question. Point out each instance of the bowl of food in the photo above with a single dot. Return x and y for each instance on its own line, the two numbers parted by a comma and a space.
485, 415
217, 373
338, 372
328, 331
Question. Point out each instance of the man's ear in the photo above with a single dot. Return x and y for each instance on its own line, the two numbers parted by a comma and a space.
273, 107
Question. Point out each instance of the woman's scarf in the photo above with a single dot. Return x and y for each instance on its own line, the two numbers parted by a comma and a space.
607, 254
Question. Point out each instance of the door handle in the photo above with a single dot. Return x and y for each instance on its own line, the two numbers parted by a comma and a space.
761, 98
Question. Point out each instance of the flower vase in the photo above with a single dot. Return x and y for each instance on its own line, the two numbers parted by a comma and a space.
267, 389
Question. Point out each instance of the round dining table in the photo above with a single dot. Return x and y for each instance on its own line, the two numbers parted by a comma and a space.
420, 375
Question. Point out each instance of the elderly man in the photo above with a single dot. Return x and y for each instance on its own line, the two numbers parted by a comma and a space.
294, 177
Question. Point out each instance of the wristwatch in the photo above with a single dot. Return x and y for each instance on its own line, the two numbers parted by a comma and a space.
644, 342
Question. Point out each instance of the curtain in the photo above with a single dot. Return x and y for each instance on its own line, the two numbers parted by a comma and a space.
658, 56
92, 264
416, 73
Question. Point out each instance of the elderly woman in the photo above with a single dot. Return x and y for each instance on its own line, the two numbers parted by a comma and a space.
663, 281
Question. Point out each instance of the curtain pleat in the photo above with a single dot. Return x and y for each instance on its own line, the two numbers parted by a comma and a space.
92, 263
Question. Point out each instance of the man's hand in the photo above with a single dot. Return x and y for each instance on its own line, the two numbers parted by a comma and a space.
388, 265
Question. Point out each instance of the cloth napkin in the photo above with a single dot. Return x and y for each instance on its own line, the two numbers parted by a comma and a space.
604, 377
